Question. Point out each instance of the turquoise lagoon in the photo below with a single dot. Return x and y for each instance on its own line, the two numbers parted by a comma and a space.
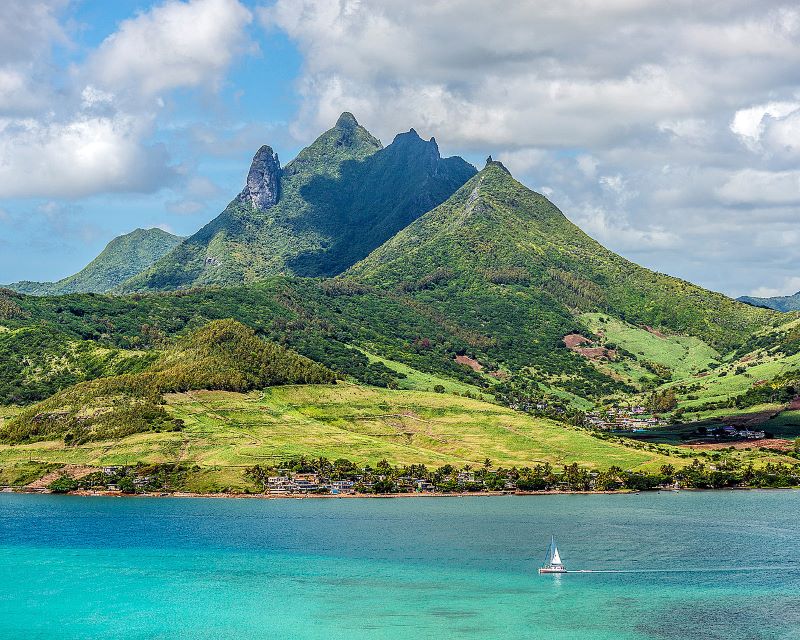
705, 565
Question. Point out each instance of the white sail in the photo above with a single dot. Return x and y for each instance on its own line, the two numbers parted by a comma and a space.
556, 558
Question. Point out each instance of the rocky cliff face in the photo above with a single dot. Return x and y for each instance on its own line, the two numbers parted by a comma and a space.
263, 180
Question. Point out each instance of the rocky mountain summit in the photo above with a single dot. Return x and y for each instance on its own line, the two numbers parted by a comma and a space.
263, 180
340, 198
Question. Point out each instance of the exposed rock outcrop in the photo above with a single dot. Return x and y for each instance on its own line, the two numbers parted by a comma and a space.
263, 180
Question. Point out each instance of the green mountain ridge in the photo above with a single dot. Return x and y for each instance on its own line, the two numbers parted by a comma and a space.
778, 303
496, 237
341, 197
122, 258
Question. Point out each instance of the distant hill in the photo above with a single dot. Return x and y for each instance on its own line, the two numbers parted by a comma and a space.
223, 355
337, 200
123, 257
779, 303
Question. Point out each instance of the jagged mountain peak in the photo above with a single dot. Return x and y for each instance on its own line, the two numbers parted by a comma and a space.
341, 197
346, 120
496, 163
262, 188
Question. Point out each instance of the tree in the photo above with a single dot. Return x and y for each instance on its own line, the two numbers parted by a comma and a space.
63, 484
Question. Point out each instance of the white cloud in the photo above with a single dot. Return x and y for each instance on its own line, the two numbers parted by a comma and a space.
749, 124
96, 133
78, 157
575, 73
751, 186
522, 160
28, 29
175, 44
788, 287
607, 229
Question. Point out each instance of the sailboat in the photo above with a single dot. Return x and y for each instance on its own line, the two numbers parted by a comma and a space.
552, 561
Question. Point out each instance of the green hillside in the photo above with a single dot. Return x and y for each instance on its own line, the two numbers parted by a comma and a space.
123, 257
336, 201
497, 239
496, 275
226, 431
222, 355
507, 265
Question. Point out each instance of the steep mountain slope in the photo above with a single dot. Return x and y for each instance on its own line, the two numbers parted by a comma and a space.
779, 303
506, 262
123, 257
222, 355
495, 274
340, 198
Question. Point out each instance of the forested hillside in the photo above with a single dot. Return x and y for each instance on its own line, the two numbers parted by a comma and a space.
223, 355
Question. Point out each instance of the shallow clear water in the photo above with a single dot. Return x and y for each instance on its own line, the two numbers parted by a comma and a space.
136, 568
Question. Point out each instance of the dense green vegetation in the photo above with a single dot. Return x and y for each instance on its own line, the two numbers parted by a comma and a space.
122, 258
222, 355
495, 241
472, 300
340, 198
38, 361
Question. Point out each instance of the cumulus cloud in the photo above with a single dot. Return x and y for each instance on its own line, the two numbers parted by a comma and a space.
752, 186
176, 44
670, 130
78, 157
96, 134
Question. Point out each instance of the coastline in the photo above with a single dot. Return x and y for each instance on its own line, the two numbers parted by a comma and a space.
320, 496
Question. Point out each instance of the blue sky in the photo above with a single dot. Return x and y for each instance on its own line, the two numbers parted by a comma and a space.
50, 237
671, 133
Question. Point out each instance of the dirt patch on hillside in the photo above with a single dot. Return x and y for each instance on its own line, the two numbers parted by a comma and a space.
596, 353
575, 340
73, 471
655, 332
776, 444
470, 362
794, 405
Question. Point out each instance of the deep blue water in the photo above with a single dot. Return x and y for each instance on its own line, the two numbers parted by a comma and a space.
137, 568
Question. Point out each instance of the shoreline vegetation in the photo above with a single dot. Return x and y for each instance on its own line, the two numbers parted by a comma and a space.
319, 477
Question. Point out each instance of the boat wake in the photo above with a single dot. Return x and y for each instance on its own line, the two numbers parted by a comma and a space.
696, 570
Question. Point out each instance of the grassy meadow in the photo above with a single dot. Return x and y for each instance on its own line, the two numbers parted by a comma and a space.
225, 432
683, 355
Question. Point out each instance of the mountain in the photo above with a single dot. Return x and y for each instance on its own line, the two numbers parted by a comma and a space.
505, 263
779, 303
336, 201
123, 257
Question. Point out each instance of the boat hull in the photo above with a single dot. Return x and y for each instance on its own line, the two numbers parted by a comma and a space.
552, 570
